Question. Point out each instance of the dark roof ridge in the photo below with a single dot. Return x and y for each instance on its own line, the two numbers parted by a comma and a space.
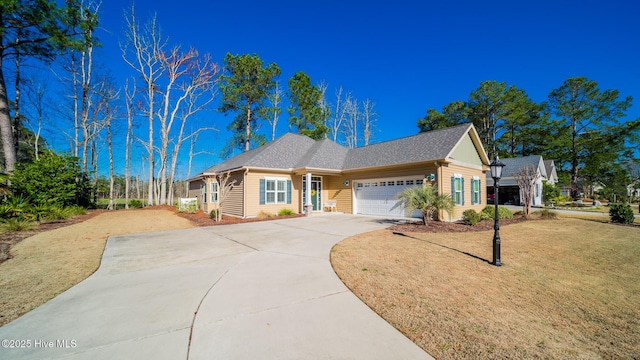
431, 132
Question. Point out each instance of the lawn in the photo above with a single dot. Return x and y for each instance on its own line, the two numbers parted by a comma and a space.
568, 289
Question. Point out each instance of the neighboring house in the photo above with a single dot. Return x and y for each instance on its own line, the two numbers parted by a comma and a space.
510, 192
363, 180
550, 169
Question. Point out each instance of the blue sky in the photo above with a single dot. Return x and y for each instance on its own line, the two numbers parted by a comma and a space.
407, 56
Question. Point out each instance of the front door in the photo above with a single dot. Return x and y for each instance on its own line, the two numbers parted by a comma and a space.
316, 192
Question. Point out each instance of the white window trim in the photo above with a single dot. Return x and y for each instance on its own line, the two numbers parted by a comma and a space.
475, 193
455, 191
214, 200
275, 191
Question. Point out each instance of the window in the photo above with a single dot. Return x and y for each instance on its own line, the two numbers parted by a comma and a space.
399, 182
382, 183
420, 182
391, 183
281, 193
214, 192
275, 191
475, 191
457, 189
409, 182
203, 192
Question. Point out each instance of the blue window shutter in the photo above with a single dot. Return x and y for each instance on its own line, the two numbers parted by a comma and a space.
462, 189
453, 189
262, 194
288, 191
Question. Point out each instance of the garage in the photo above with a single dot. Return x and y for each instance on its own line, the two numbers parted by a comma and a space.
378, 197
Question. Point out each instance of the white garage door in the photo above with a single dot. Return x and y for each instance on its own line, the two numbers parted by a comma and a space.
378, 197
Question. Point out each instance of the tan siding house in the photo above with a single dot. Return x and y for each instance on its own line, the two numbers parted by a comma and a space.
298, 173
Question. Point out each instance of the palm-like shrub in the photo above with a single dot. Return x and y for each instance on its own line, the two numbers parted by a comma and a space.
16, 224
426, 200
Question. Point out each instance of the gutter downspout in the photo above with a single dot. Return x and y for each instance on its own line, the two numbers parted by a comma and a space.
244, 193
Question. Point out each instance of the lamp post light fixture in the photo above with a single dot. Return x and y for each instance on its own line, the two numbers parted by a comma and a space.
496, 173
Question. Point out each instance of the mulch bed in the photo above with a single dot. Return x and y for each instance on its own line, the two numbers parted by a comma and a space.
201, 219
459, 226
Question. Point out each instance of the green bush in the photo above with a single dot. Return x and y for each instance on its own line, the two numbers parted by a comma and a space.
76, 210
213, 214
621, 214
285, 212
49, 213
52, 180
503, 212
16, 224
136, 204
470, 217
15, 207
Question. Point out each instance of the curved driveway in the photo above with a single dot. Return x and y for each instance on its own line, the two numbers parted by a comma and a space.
263, 290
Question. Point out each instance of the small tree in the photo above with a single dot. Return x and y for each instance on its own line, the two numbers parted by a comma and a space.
427, 200
526, 179
549, 192
52, 180
224, 189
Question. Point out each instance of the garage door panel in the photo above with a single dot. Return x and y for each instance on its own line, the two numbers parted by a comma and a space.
379, 197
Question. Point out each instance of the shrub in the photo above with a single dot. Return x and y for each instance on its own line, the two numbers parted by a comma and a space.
76, 210
470, 217
285, 212
136, 204
53, 213
503, 212
16, 224
213, 214
546, 214
262, 215
621, 214
52, 180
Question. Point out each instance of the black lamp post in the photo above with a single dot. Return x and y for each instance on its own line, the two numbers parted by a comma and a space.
496, 173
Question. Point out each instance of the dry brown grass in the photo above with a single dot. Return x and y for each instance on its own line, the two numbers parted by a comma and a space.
50, 262
568, 289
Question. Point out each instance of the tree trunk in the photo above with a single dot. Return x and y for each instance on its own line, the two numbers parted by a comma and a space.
111, 170
248, 125
6, 131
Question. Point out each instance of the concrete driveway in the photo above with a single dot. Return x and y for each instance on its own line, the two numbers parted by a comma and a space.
263, 290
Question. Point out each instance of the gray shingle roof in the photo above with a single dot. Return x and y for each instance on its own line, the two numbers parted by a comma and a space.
513, 165
292, 151
324, 154
282, 153
432, 145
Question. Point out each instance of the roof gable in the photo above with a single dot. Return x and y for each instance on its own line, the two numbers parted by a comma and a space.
427, 146
466, 152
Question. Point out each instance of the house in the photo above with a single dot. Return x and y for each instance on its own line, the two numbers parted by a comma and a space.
552, 174
510, 192
302, 174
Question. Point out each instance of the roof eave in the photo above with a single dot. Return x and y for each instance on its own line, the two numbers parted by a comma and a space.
313, 170
437, 162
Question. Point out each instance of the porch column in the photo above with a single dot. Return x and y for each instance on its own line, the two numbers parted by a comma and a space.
308, 206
